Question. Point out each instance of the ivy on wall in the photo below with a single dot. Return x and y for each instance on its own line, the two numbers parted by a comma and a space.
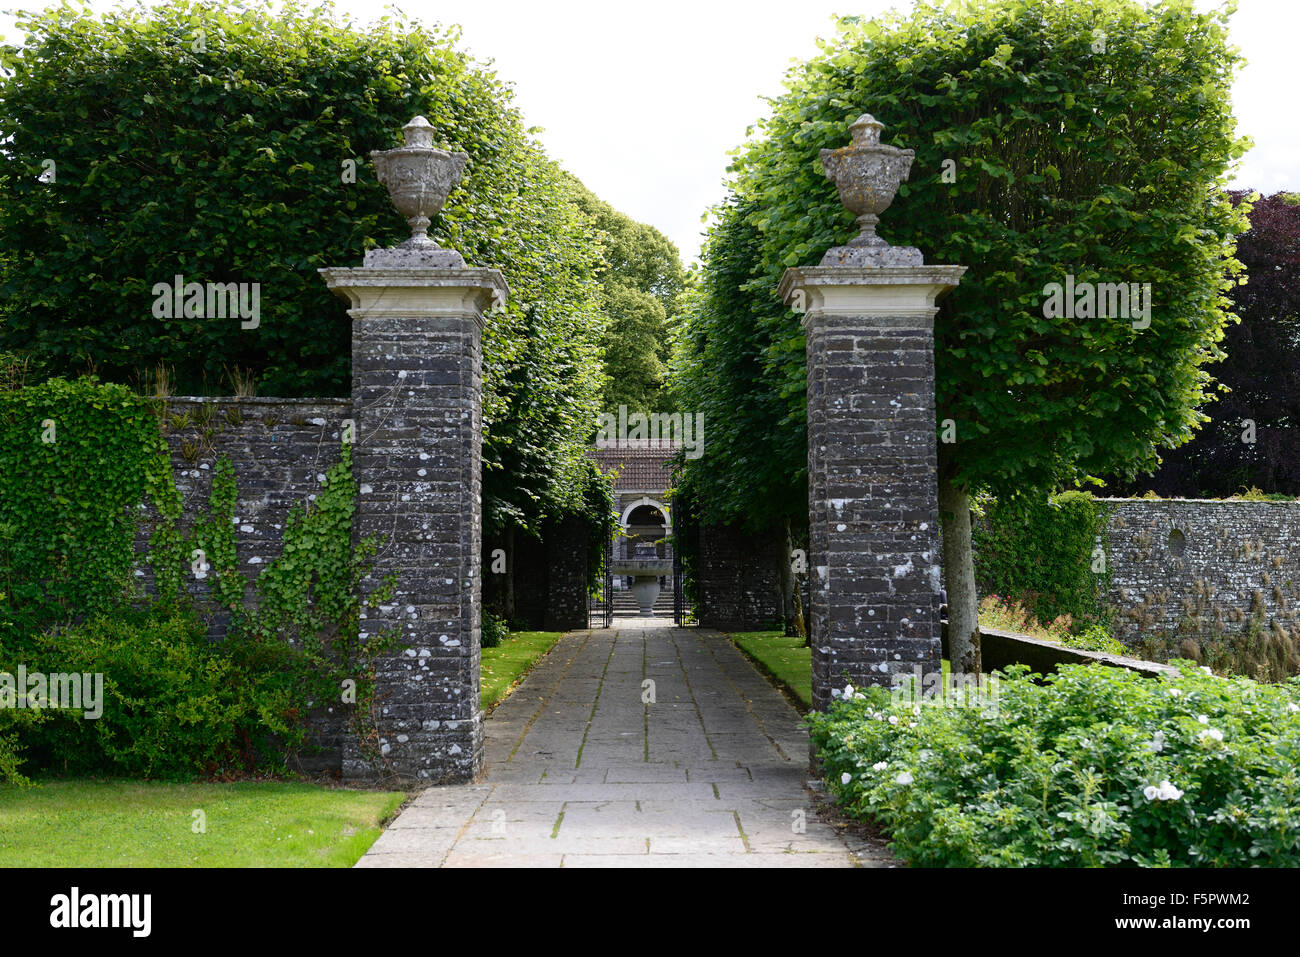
76, 460
297, 642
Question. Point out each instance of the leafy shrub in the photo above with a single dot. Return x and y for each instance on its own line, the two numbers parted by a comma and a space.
493, 631
175, 704
1096, 637
1039, 550
12, 756
1089, 766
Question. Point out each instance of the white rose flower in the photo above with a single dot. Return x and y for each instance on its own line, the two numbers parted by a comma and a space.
1168, 792
1151, 792
1176, 692
893, 719
1214, 733
1157, 742
848, 691
845, 778
1293, 707
905, 778
1204, 719
880, 765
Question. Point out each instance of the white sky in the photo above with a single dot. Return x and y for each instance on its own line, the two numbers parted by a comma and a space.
644, 102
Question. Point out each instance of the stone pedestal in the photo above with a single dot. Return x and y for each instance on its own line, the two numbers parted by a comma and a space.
874, 560
416, 392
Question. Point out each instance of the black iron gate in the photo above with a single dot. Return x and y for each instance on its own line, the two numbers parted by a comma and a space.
683, 614
600, 606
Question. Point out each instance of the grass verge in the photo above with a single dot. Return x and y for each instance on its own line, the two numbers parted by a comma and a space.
85, 823
504, 666
783, 659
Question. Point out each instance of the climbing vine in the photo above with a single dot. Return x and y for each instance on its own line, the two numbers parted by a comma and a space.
301, 637
76, 460
78, 463
214, 540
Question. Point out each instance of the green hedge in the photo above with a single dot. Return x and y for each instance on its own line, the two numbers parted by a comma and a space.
231, 144
1040, 551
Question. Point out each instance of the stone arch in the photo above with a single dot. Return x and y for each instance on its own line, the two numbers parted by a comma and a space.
653, 503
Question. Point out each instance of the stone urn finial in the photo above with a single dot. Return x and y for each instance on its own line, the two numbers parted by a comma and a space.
419, 177
867, 175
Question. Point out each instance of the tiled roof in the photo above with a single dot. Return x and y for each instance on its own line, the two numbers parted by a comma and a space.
642, 464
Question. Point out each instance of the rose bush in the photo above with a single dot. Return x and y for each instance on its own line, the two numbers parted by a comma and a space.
1090, 766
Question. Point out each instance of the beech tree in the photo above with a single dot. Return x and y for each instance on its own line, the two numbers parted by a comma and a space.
1054, 139
642, 284
231, 145
1253, 437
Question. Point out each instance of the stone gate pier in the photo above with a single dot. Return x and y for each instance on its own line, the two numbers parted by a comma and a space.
868, 313
417, 319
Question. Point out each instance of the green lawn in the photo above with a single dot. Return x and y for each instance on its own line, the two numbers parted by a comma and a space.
504, 665
787, 661
137, 824
83, 823
784, 659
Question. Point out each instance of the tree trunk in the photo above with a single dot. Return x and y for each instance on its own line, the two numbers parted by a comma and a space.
787, 583
510, 575
958, 571
800, 627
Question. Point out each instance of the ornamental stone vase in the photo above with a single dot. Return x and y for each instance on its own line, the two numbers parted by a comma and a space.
867, 175
645, 590
419, 178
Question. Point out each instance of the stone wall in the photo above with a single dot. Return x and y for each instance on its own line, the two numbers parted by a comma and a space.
549, 576
739, 579
280, 450
566, 569
526, 565
1199, 571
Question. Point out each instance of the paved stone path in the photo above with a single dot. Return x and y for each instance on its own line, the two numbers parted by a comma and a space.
588, 764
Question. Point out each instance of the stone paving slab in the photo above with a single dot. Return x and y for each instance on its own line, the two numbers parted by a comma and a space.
586, 767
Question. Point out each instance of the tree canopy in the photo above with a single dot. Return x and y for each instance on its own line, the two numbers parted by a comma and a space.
1056, 141
1103, 160
230, 145
642, 286
1253, 437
